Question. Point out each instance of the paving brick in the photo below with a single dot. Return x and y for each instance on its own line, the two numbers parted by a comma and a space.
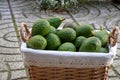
118, 70
111, 73
3, 75
114, 78
2, 66
18, 74
9, 50
116, 63
13, 58
8, 44
16, 65
118, 52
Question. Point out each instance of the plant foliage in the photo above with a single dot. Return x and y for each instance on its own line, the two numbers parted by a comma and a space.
57, 4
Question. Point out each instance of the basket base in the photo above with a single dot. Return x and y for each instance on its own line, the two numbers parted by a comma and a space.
55, 73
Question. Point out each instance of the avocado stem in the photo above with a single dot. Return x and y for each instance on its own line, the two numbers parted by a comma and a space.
62, 19
93, 32
101, 28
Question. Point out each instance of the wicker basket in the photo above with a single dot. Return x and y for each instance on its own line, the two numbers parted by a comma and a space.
60, 65
51, 65
56, 73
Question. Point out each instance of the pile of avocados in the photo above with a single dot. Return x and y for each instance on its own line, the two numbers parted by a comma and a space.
45, 35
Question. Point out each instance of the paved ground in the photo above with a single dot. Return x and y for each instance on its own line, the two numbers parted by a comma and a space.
13, 12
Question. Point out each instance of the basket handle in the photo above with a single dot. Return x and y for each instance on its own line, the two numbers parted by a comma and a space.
24, 35
113, 37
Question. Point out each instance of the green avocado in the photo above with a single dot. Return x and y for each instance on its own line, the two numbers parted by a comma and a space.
37, 42
53, 29
103, 36
40, 27
78, 41
55, 21
91, 44
67, 46
70, 25
53, 41
67, 34
104, 50
84, 30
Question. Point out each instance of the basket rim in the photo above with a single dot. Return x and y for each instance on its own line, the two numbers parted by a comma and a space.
112, 52
47, 58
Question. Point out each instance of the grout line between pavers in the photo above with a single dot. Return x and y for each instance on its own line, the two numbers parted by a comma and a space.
14, 22
12, 70
21, 78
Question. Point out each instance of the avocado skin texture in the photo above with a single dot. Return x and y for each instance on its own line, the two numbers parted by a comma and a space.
37, 42
91, 44
67, 46
70, 25
78, 41
40, 27
67, 34
84, 30
53, 29
104, 50
103, 36
55, 21
53, 41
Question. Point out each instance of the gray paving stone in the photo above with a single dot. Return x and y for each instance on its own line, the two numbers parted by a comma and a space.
118, 52
4, 10
8, 40
8, 44
2, 66
118, 45
6, 30
116, 57
119, 39
111, 8
118, 70
16, 65
118, 6
13, 58
116, 63
113, 20
111, 73
18, 74
9, 50
3, 75
5, 22
114, 78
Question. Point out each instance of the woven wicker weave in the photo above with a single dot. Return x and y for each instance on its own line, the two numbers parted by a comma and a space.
54, 73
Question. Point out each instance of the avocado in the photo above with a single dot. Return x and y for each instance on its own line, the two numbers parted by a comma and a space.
67, 46
37, 42
55, 21
70, 25
91, 44
78, 41
103, 36
67, 34
53, 29
104, 50
40, 27
84, 30
53, 41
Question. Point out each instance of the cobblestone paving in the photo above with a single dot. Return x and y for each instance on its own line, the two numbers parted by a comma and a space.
13, 12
